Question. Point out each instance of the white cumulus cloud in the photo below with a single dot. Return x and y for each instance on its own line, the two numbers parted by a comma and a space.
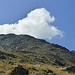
38, 23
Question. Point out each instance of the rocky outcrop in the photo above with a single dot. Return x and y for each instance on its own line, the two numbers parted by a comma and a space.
19, 70
71, 69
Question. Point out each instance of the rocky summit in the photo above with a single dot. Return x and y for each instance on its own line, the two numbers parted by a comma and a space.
34, 56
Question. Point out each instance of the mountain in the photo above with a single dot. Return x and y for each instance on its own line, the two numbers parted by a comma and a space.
38, 46
31, 52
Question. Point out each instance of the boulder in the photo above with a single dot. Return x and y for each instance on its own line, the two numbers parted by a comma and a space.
2, 57
71, 69
19, 70
49, 72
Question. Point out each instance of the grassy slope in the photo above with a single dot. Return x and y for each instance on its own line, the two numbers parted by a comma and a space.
6, 69
33, 67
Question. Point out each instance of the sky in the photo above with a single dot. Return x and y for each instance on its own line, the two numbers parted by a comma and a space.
55, 23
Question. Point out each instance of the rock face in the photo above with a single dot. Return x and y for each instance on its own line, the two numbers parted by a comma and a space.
15, 42
19, 70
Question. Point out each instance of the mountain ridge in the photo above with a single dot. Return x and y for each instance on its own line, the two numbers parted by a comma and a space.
73, 52
8, 38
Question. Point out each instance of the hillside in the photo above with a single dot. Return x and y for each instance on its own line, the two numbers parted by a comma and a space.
36, 55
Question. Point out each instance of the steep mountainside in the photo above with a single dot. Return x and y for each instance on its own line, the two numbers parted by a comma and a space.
45, 51
33, 56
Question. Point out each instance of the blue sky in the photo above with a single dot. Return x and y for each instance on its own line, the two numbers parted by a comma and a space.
63, 10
